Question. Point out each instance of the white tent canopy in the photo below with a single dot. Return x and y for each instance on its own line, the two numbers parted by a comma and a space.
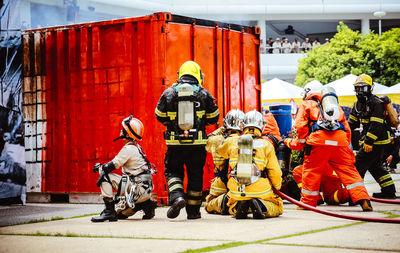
344, 86
278, 89
395, 89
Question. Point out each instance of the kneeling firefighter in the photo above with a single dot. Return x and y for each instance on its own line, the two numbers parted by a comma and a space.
254, 171
217, 200
272, 134
185, 109
134, 187
325, 134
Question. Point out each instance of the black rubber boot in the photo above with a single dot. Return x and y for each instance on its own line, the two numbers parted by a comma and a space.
224, 205
193, 212
176, 207
258, 209
108, 213
382, 195
193, 216
149, 207
242, 208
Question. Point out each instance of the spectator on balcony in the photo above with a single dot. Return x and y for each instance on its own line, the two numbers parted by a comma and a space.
296, 46
286, 47
306, 45
277, 46
316, 43
326, 40
270, 42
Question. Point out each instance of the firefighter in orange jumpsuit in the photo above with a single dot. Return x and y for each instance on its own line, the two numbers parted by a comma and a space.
331, 187
325, 150
271, 130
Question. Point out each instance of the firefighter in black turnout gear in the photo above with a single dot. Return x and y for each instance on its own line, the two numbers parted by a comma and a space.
185, 109
369, 111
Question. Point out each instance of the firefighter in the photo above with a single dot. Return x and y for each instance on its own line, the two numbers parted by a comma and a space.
331, 187
135, 165
217, 200
271, 129
325, 135
369, 111
185, 109
255, 172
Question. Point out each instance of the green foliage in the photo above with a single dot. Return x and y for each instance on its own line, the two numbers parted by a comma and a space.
351, 53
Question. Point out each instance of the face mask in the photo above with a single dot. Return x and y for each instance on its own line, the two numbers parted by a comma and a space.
362, 93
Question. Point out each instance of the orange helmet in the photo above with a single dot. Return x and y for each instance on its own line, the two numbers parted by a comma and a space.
132, 129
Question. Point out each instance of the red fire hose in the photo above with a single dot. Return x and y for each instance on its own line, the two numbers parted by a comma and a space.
388, 201
350, 217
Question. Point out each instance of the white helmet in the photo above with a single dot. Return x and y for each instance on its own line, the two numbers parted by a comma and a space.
234, 120
310, 88
254, 119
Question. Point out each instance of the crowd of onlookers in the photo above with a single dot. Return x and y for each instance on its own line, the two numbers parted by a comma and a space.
286, 47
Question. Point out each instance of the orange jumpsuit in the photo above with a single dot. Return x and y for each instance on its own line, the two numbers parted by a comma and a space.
331, 187
326, 151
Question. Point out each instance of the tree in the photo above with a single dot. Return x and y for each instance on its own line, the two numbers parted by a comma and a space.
351, 53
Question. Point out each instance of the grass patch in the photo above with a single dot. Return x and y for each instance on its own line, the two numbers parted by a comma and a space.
326, 246
38, 233
389, 214
309, 232
237, 244
217, 247
51, 219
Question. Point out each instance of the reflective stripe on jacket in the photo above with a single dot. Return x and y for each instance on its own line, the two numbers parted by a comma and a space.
372, 118
167, 110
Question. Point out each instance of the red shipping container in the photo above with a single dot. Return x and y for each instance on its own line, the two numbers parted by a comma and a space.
91, 76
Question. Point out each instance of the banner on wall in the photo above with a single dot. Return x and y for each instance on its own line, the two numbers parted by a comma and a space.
12, 151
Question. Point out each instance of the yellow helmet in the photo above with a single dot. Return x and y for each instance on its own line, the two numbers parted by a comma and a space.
363, 80
191, 68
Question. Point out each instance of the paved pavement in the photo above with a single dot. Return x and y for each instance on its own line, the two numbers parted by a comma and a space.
294, 231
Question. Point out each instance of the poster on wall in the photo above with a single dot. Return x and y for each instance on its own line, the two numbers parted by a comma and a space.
12, 152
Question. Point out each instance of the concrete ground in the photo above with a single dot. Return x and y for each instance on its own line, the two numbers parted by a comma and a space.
65, 228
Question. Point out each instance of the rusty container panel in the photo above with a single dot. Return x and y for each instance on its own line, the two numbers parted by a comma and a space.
80, 81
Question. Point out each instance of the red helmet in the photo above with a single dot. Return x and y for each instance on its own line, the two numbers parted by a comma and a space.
132, 129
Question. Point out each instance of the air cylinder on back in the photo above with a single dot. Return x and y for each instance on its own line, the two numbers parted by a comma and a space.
330, 103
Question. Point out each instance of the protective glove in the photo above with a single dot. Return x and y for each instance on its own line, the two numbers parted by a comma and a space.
367, 148
96, 167
287, 142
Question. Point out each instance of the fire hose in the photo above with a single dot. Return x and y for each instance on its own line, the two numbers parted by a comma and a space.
350, 217
388, 201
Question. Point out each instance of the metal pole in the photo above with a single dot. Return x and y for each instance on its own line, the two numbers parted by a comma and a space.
380, 28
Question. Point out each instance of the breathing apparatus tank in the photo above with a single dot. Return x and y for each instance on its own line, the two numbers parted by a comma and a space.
245, 159
246, 171
330, 104
185, 107
329, 109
